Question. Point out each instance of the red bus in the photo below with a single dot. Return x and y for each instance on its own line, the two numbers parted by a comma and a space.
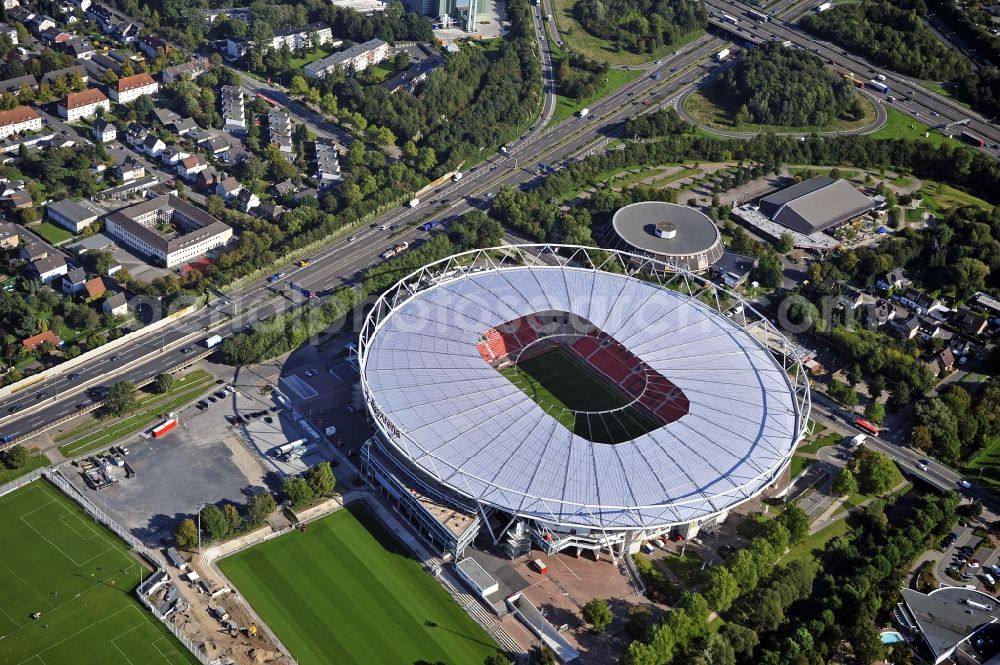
867, 426
261, 95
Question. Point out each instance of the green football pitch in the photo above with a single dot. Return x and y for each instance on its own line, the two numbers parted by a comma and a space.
56, 560
345, 592
564, 388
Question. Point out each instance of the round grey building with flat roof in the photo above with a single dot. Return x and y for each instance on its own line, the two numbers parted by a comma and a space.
675, 234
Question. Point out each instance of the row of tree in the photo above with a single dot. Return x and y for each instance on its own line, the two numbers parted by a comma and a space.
640, 26
956, 425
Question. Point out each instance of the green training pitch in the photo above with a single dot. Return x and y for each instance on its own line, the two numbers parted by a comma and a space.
58, 561
564, 388
345, 592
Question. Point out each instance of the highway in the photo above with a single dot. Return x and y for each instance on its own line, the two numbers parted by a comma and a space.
913, 100
343, 261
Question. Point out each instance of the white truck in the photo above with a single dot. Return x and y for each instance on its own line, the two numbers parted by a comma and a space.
583, 113
858, 440
414, 203
213, 341
457, 176
722, 55
331, 430
286, 448
823, 7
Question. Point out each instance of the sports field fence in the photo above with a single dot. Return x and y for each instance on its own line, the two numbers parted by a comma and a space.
18, 483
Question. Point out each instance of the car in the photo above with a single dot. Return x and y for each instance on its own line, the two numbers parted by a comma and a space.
303, 263
115, 357
393, 227
14, 409
41, 395
7, 439
352, 238
966, 576
212, 400
73, 377
220, 394
973, 564
965, 483
383, 227
268, 419
275, 277
231, 389
922, 467
81, 405
312, 372
186, 349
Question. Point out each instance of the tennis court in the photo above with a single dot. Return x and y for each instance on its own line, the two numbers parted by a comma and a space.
58, 561
564, 388
345, 592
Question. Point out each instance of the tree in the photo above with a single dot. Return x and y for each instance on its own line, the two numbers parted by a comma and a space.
877, 474
785, 243
844, 483
298, 86
232, 517
260, 507
321, 479
743, 640
796, 521
638, 621
15, 457
496, 659
121, 399
297, 491
842, 393
597, 613
547, 657
163, 383
875, 412
722, 588
186, 536
214, 523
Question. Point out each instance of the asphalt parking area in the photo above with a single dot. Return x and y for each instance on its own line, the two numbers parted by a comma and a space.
202, 461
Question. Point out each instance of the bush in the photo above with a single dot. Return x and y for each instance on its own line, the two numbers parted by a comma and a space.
186, 536
15, 457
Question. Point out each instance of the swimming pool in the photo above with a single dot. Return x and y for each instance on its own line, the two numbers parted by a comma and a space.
891, 637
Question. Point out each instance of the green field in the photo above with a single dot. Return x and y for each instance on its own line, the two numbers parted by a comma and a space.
58, 561
901, 126
52, 233
615, 78
563, 387
344, 592
713, 111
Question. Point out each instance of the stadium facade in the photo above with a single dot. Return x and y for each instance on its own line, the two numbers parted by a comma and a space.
463, 450
675, 235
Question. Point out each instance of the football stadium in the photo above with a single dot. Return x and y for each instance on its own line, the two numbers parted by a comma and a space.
567, 397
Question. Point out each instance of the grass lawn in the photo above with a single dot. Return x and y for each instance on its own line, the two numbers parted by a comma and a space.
35, 461
939, 197
798, 464
595, 48
560, 385
321, 52
380, 73
616, 78
51, 233
99, 433
687, 568
345, 592
901, 126
61, 563
709, 109
913, 214
831, 439
804, 551
985, 462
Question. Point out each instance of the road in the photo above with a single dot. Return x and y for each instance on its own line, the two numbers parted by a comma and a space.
911, 98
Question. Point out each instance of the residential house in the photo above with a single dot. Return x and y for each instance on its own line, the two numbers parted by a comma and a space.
9, 239
303, 37
247, 200
39, 23
174, 155
153, 145
184, 126
356, 58
71, 215
153, 46
907, 327
282, 189
19, 119
104, 131
272, 212
66, 74
115, 304
237, 47
54, 37
50, 267
734, 269
166, 117
86, 104
279, 127
917, 301
189, 167
18, 200
192, 69
15, 85
233, 110
880, 312
217, 145
929, 329
94, 289
74, 281
208, 178
136, 134
893, 280
987, 303
229, 188
80, 48
130, 169
9, 31
305, 194
19, 14
327, 163
942, 363
33, 251
849, 298
968, 321
36, 341
131, 88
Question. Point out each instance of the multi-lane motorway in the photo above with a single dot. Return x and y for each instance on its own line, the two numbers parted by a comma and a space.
341, 262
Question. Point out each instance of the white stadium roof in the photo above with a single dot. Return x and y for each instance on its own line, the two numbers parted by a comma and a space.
454, 417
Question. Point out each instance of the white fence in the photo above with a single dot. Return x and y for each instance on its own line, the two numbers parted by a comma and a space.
18, 483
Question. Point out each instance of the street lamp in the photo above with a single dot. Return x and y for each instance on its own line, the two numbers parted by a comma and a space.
202, 506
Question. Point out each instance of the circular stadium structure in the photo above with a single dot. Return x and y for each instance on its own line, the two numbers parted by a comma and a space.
678, 236
573, 397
